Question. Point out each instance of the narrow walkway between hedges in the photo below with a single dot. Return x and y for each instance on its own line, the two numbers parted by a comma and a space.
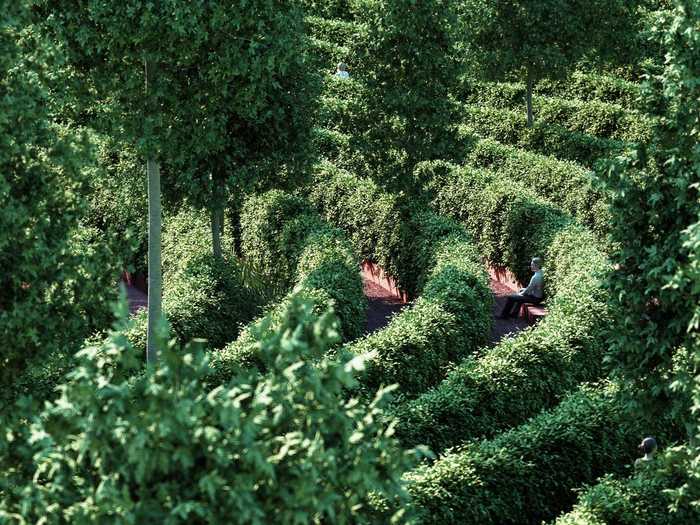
381, 305
135, 297
503, 327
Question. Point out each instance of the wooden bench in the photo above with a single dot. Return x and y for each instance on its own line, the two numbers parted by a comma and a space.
530, 312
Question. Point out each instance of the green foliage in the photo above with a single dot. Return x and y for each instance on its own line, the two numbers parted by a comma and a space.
527, 475
655, 207
56, 280
328, 8
510, 127
409, 65
427, 255
292, 247
591, 86
542, 39
202, 297
371, 217
639, 500
564, 183
600, 119
159, 446
502, 386
118, 200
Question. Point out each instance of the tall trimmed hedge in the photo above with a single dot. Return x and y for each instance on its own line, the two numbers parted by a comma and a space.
639, 500
528, 474
599, 119
562, 182
431, 257
550, 139
504, 385
292, 247
589, 86
202, 297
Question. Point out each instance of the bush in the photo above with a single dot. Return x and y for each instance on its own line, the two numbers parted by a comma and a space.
527, 474
202, 297
328, 8
564, 183
514, 380
549, 139
639, 500
599, 119
427, 255
57, 280
292, 247
588, 86
159, 446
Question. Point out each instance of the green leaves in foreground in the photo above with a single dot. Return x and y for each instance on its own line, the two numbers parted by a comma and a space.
286, 447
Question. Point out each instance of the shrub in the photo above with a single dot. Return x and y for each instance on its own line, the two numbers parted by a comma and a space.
589, 86
56, 281
549, 139
202, 297
504, 385
288, 447
527, 474
294, 248
328, 8
600, 119
564, 183
428, 255
639, 500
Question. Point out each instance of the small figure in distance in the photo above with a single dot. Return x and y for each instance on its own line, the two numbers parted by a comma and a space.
342, 71
648, 446
533, 294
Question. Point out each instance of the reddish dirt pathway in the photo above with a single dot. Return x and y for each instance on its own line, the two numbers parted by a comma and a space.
381, 305
135, 297
503, 327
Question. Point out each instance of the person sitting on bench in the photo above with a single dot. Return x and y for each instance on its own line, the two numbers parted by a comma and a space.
533, 294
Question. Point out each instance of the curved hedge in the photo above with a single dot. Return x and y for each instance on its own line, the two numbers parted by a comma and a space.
504, 385
600, 119
429, 256
202, 297
292, 247
639, 500
551, 139
528, 474
562, 182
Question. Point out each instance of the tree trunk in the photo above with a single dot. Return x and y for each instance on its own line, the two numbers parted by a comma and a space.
154, 246
217, 218
528, 100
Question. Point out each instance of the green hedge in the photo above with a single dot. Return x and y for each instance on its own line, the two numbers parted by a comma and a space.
599, 119
292, 247
514, 380
562, 182
429, 256
202, 297
550, 139
528, 474
639, 500
328, 8
588, 86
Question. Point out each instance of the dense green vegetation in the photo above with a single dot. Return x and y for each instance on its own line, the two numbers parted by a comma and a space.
210, 148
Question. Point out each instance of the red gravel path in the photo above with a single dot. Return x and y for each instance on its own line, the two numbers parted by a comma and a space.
381, 305
503, 327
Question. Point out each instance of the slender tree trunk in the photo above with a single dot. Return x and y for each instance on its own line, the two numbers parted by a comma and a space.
154, 246
528, 100
217, 218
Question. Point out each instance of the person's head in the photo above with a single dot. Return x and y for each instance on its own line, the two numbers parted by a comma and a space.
536, 264
342, 66
648, 445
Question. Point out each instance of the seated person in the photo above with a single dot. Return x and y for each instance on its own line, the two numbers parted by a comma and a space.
342, 71
534, 293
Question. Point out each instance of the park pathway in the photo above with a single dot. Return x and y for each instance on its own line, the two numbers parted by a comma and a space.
382, 304
502, 327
